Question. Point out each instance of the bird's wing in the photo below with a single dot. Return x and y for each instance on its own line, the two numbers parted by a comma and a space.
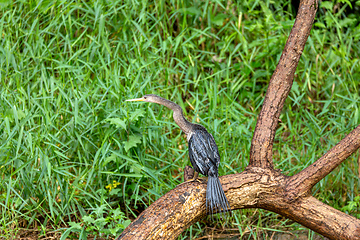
203, 152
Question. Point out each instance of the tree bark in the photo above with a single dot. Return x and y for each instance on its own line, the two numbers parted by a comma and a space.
280, 86
255, 187
260, 185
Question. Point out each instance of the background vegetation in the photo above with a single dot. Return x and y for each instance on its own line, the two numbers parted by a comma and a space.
76, 160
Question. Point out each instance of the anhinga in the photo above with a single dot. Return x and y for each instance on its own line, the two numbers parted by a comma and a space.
203, 152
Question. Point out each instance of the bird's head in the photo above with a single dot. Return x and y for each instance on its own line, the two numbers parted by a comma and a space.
147, 98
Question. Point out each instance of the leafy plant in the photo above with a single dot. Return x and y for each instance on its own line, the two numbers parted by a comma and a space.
66, 68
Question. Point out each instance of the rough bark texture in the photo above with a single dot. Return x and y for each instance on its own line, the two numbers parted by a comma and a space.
260, 185
280, 85
320, 217
255, 187
188, 173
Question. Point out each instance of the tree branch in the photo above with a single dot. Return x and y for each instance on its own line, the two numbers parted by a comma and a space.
319, 217
255, 187
165, 218
307, 178
280, 85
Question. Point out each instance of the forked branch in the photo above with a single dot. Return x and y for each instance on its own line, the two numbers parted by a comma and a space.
255, 187
280, 85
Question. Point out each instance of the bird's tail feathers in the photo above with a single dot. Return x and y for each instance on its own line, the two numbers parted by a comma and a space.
215, 197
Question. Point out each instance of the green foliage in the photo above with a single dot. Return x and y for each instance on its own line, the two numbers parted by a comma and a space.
68, 138
96, 224
353, 207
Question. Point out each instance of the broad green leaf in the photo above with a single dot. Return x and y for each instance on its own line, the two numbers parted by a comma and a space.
327, 4
88, 219
344, 23
136, 168
118, 122
136, 114
110, 158
219, 19
76, 225
132, 142
126, 223
118, 213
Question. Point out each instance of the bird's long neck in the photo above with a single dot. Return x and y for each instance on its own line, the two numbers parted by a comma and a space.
178, 116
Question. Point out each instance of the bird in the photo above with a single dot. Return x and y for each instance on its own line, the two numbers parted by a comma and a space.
203, 153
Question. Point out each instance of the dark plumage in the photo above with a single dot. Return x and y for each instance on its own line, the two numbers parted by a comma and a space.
203, 152
205, 158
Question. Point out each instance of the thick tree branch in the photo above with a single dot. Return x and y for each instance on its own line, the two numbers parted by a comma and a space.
280, 85
307, 178
319, 217
255, 187
166, 218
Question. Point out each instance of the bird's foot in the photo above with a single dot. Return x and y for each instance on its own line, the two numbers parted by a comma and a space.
195, 178
201, 179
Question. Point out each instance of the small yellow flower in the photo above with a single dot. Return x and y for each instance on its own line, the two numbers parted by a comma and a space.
112, 185
109, 187
115, 184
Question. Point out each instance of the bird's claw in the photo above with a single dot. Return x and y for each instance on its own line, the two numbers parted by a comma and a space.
195, 178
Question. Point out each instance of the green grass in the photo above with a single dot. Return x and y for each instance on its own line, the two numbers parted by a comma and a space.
78, 160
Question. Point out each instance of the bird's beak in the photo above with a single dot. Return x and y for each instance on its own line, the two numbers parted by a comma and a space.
135, 100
